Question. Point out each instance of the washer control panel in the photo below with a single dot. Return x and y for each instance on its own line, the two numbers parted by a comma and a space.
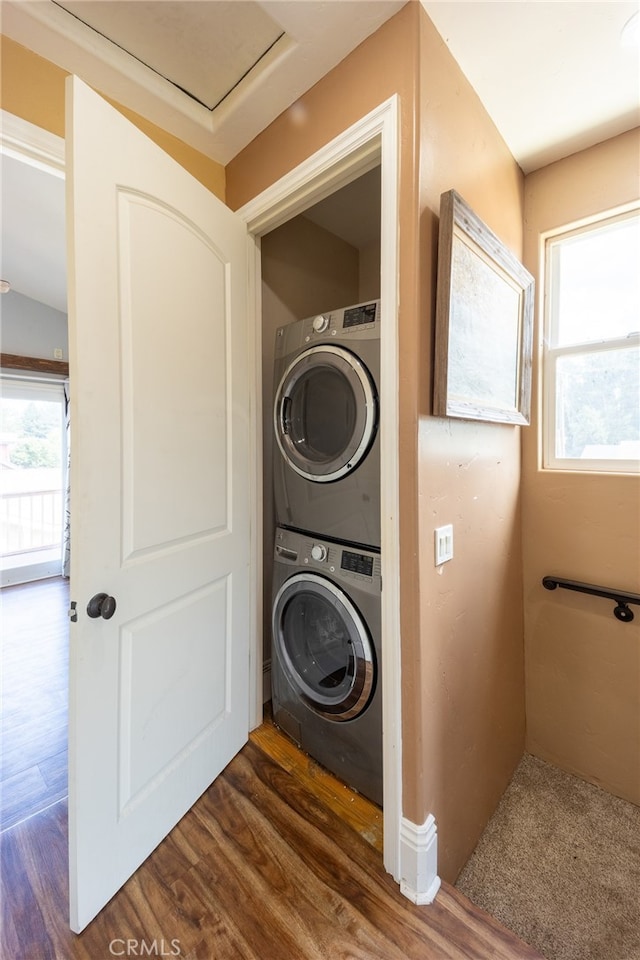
361, 563
346, 563
319, 551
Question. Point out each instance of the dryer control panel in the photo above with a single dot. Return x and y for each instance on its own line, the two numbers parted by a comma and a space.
362, 315
358, 322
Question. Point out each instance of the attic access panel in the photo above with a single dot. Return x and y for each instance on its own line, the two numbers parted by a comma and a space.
203, 48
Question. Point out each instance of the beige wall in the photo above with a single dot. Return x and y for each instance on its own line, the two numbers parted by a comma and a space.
582, 665
472, 670
33, 88
463, 686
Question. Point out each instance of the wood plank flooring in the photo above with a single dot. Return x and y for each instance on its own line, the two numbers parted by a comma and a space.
33, 721
276, 861
259, 869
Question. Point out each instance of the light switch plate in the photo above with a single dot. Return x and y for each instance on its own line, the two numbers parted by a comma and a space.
443, 538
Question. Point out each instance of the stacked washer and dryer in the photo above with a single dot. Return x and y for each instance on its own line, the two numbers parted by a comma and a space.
325, 670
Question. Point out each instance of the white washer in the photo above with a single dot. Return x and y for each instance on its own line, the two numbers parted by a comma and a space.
325, 418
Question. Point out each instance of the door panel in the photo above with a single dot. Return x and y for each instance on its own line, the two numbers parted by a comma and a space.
163, 513
160, 511
181, 686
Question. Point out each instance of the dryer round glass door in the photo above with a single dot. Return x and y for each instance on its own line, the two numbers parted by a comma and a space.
323, 646
325, 413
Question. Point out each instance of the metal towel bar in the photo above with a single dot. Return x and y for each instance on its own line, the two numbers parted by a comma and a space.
622, 598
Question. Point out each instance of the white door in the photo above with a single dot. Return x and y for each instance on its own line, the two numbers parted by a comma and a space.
160, 494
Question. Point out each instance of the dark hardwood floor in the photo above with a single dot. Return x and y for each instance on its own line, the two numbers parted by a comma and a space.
259, 869
33, 719
276, 861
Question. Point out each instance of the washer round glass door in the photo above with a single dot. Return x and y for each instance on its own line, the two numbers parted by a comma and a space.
323, 646
325, 413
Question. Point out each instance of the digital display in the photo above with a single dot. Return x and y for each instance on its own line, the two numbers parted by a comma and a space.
357, 563
356, 316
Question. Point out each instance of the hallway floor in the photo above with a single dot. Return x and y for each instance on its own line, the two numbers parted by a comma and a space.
33, 723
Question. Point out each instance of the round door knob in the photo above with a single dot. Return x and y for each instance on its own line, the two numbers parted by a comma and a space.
320, 323
101, 605
319, 551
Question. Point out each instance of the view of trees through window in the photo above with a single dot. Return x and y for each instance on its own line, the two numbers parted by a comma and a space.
35, 431
31, 479
592, 370
599, 405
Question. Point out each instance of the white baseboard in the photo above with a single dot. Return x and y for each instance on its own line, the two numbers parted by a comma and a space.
419, 880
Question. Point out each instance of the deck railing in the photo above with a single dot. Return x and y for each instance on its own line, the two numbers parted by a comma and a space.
30, 521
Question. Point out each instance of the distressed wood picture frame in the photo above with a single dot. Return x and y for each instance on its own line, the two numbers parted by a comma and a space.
484, 322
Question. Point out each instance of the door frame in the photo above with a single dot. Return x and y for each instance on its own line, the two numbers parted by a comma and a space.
372, 141
32, 144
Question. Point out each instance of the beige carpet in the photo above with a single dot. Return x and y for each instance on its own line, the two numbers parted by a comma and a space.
559, 864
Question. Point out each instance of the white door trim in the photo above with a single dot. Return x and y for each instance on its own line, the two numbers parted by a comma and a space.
371, 141
21, 139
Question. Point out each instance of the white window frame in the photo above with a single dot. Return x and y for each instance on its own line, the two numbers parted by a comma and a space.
551, 352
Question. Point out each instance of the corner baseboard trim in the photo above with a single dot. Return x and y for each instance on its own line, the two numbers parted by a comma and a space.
419, 880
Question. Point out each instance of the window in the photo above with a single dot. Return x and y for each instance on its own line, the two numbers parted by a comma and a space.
32, 458
592, 347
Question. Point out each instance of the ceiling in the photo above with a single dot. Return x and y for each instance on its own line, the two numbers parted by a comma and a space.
554, 77
33, 247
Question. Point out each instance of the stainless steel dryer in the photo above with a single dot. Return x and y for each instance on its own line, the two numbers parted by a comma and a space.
325, 418
325, 665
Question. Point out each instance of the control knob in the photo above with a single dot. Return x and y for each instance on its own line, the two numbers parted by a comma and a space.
319, 551
320, 323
